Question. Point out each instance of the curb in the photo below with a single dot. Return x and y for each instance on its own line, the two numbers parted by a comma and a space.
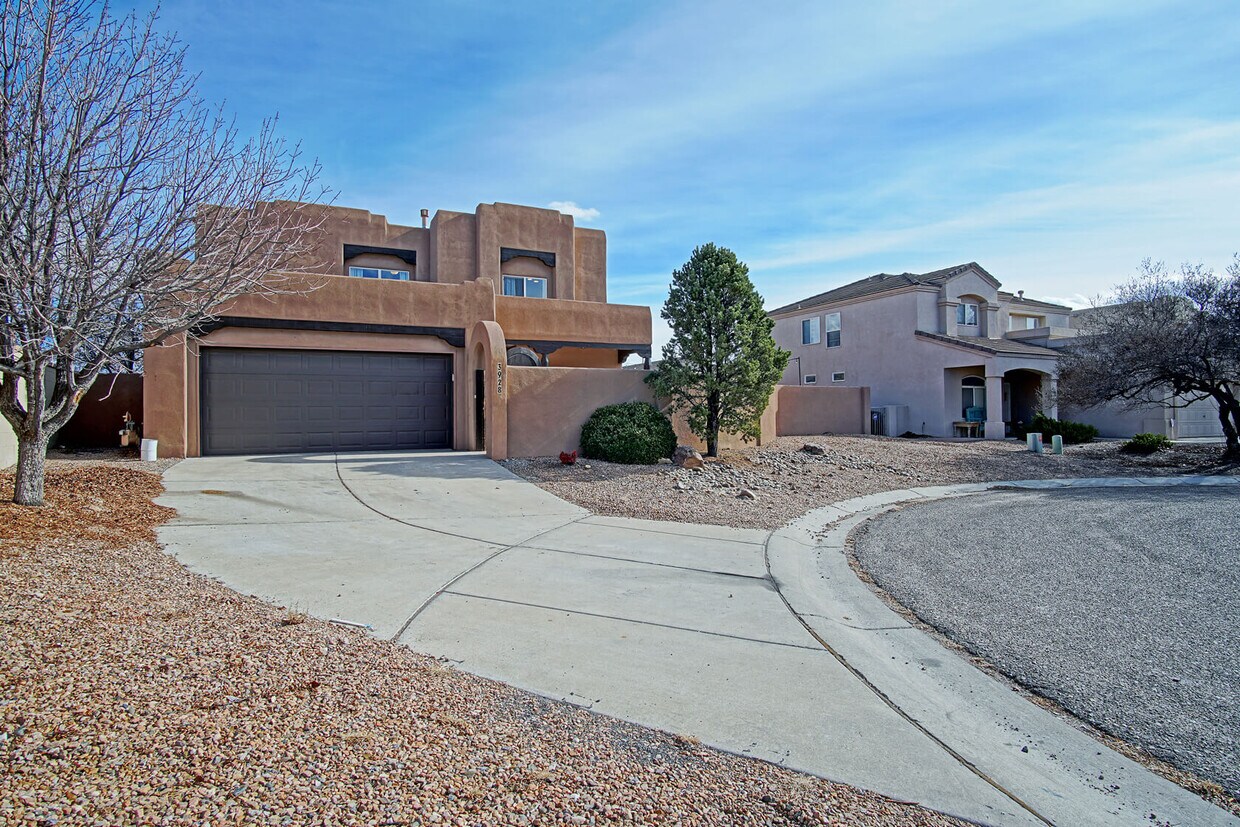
1046, 766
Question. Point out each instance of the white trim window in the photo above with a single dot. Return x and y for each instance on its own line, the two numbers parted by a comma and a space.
1016, 322
810, 331
833, 329
972, 395
526, 286
966, 314
837, 376
810, 379
378, 273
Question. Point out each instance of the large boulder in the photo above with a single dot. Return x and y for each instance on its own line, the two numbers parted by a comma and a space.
687, 457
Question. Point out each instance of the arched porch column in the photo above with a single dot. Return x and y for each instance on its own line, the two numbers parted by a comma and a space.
995, 428
488, 352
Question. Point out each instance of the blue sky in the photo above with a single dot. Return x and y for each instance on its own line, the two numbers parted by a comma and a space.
1056, 144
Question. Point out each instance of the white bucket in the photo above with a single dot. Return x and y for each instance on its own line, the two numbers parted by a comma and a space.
150, 450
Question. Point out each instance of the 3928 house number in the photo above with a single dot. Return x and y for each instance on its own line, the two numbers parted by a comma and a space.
499, 378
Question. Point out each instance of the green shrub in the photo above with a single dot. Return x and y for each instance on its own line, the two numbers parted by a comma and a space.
633, 433
1073, 433
1146, 444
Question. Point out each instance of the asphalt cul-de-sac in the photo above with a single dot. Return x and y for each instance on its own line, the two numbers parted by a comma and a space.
1122, 604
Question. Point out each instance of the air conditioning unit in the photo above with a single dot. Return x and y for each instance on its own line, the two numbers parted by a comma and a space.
889, 420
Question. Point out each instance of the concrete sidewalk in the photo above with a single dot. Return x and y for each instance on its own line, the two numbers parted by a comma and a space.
681, 627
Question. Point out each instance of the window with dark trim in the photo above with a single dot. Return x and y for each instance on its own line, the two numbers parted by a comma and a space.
527, 286
378, 273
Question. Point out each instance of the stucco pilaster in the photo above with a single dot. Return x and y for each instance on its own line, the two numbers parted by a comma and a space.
994, 406
990, 321
947, 316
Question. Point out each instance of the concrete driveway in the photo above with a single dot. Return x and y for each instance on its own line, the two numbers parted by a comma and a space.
680, 627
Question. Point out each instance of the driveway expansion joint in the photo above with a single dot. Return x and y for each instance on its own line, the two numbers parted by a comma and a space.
621, 619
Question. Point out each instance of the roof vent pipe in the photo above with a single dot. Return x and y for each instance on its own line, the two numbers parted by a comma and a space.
426, 215
1020, 294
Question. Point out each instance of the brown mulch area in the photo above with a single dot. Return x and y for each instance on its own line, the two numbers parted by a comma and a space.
96, 504
133, 691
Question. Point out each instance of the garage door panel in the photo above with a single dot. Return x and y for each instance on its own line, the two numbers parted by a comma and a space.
258, 401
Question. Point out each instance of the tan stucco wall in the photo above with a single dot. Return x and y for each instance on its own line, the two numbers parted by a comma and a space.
548, 406
526, 228
460, 247
343, 225
585, 357
557, 320
590, 265
804, 411
373, 301
164, 400
454, 246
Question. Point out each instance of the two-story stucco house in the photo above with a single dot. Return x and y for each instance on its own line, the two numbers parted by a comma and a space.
944, 353
401, 339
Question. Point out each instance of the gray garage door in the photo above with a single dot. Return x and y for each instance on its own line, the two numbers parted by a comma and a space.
287, 401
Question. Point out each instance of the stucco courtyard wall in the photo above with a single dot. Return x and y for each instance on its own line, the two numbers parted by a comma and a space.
548, 406
808, 410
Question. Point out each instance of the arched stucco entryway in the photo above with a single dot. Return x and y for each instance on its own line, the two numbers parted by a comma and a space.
488, 411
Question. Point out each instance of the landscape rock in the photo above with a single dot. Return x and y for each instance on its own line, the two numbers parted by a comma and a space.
746, 494
789, 481
811, 448
687, 457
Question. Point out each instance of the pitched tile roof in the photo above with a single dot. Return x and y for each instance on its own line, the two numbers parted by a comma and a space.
1001, 347
881, 283
1037, 303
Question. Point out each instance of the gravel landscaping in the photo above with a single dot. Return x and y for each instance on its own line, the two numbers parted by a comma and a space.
785, 481
133, 691
1120, 605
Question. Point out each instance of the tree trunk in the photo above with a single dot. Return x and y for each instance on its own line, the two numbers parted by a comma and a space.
1229, 416
712, 426
31, 462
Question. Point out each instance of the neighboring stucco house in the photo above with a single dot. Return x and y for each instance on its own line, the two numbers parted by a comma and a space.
405, 342
1166, 414
944, 353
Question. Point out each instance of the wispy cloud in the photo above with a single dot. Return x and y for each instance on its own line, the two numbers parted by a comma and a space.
821, 142
575, 210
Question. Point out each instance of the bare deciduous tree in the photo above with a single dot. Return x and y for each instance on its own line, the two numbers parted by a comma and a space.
128, 208
1163, 336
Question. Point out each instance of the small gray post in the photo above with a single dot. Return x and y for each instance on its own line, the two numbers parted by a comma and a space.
1034, 441
1056, 444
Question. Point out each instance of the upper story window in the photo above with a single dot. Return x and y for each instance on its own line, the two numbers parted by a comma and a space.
527, 286
810, 379
1024, 322
378, 273
810, 332
966, 313
833, 329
